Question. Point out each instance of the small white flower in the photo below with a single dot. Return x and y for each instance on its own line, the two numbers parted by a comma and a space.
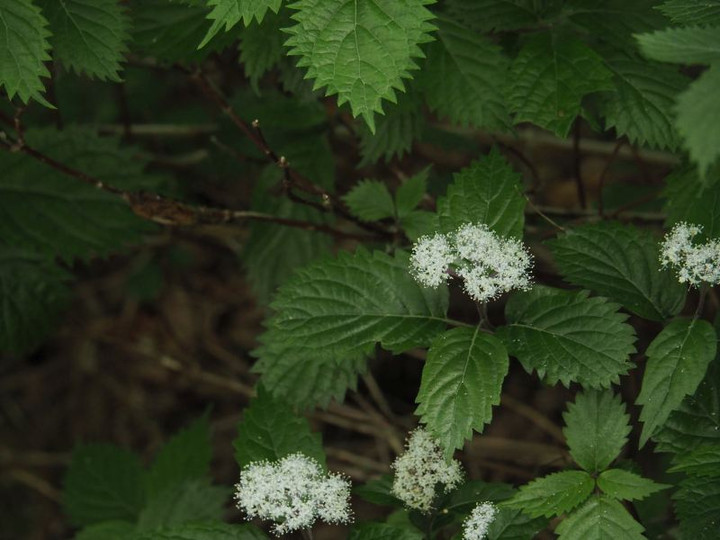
420, 469
476, 526
489, 265
430, 258
293, 493
694, 263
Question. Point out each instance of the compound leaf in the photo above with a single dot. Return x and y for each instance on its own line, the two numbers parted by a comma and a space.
553, 494
227, 13
601, 518
627, 486
370, 200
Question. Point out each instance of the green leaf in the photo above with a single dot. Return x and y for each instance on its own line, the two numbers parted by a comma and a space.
186, 456
187, 502
411, 192
261, 45
24, 33
382, 531
553, 494
461, 381
464, 77
88, 36
360, 50
691, 12
596, 428
108, 530
270, 431
103, 483
702, 461
690, 45
697, 505
568, 337
169, 30
488, 191
419, 223
621, 263
57, 215
614, 21
205, 531
34, 294
641, 108
227, 13
549, 78
345, 305
697, 420
370, 200
395, 131
627, 486
513, 524
601, 518
378, 491
698, 117
689, 199
677, 360
498, 15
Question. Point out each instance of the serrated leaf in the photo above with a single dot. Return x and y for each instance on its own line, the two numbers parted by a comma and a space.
370, 200
678, 358
697, 420
187, 502
34, 293
88, 36
419, 223
205, 531
169, 30
513, 524
261, 45
464, 77
549, 78
395, 131
343, 306
270, 431
627, 486
568, 337
596, 428
108, 530
57, 215
697, 504
702, 461
616, 20
498, 15
698, 117
186, 456
227, 13
641, 108
24, 33
461, 381
488, 191
689, 45
103, 483
689, 199
382, 531
411, 192
378, 491
553, 494
360, 50
601, 518
621, 263
303, 378
691, 12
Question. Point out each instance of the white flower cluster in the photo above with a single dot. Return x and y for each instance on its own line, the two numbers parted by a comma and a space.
489, 265
476, 526
420, 469
695, 263
293, 492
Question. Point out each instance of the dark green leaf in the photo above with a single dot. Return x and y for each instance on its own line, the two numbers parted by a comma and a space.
690, 200
227, 13
697, 504
187, 502
616, 20
261, 45
411, 192
382, 531
498, 15
692, 12
370, 200
205, 531
554, 494
108, 530
625, 485
702, 461
378, 491
601, 518
691, 45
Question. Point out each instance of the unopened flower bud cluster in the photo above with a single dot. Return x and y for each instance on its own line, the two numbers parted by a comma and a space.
293, 492
477, 524
420, 469
489, 265
694, 263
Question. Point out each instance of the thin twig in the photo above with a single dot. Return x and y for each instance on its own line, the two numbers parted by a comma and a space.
534, 416
542, 214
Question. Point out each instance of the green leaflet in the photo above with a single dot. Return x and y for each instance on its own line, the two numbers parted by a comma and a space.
88, 36
568, 337
677, 360
488, 191
370, 200
702, 461
553, 494
692, 12
691, 45
621, 263
24, 33
596, 428
262, 45
625, 485
549, 78
227, 13
360, 50
697, 504
615, 21
461, 381
270, 431
601, 518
